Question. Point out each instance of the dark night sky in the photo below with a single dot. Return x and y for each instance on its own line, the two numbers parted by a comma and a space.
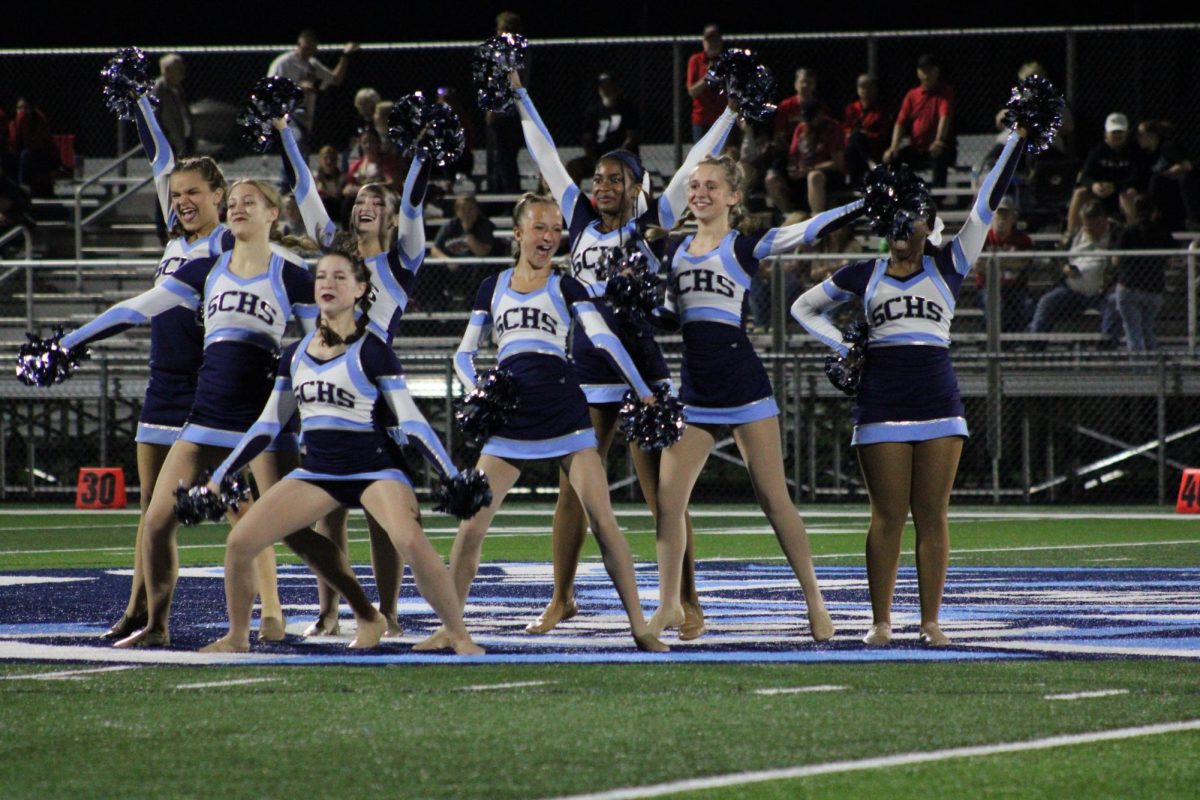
223, 22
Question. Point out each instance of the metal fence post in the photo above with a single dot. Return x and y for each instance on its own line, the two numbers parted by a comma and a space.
30, 455
677, 76
103, 415
1071, 58
1191, 297
1162, 428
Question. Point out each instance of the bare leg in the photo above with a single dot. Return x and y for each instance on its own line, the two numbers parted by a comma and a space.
395, 506
468, 544
760, 447
288, 506
388, 567
679, 469
268, 469
150, 458
591, 484
333, 527
888, 472
935, 463
568, 531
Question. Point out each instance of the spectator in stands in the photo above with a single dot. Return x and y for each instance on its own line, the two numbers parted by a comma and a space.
1112, 172
465, 235
32, 146
173, 113
815, 162
15, 204
374, 166
789, 113
707, 104
504, 138
1141, 279
755, 157
1172, 183
1083, 283
301, 65
365, 101
329, 181
610, 123
866, 125
1016, 306
927, 118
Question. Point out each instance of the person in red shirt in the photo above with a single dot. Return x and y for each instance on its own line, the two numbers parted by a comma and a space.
707, 103
32, 145
927, 118
1016, 306
787, 117
815, 160
866, 124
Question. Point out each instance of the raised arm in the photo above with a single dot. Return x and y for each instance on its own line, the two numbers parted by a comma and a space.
410, 239
158, 151
789, 237
280, 407
545, 154
968, 244
135, 311
673, 201
316, 219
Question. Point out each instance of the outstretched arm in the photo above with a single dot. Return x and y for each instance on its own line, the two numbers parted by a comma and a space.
673, 201
545, 154
968, 244
158, 151
413, 424
280, 407
316, 219
135, 311
789, 237
583, 308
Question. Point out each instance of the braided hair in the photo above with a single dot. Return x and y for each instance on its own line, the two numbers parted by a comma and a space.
344, 245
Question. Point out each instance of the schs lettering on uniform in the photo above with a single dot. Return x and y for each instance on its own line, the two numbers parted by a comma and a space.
906, 307
168, 266
528, 319
703, 280
319, 391
242, 302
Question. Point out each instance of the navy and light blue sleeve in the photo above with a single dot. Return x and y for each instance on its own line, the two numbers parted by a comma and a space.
673, 201
410, 238
666, 316
545, 154
966, 246
383, 368
812, 308
789, 237
280, 407
304, 188
298, 283
138, 310
478, 326
584, 309
158, 151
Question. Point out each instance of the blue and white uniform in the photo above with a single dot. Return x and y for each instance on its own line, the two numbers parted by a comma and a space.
531, 330
909, 392
393, 272
339, 400
244, 321
176, 339
600, 382
724, 382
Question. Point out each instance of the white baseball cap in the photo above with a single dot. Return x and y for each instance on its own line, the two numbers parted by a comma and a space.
1116, 122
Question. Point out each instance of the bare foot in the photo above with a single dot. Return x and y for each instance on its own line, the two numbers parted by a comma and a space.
438, 640
125, 626
647, 642
665, 617
146, 637
931, 634
226, 645
272, 629
324, 626
693, 622
820, 625
394, 629
553, 614
464, 646
369, 633
878, 635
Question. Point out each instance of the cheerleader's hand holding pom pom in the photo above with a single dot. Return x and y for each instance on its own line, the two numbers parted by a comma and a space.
207, 501
655, 422
490, 68
464, 494
486, 408
418, 125
1035, 111
45, 362
270, 99
845, 372
749, 85
126, 79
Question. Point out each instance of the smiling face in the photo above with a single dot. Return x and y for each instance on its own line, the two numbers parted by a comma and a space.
539, 233
337, 286
613, 188
250, 214
195, 203
710, 197
372, 213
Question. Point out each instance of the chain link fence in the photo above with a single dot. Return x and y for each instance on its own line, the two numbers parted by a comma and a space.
1055, 416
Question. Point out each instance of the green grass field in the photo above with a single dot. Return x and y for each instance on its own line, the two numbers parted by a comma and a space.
863, 729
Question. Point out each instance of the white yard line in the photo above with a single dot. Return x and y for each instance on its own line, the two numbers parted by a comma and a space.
488, 687
65, 675
801, 689
222, 684
884, 762
1087, 695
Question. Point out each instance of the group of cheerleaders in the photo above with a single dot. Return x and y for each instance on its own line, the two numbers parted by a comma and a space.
224, 392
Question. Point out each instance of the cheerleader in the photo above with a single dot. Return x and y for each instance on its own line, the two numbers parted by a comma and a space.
390, 236
908, 419
336, 377
618, 210
529, 309
191, 195
723, 381
245, 296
